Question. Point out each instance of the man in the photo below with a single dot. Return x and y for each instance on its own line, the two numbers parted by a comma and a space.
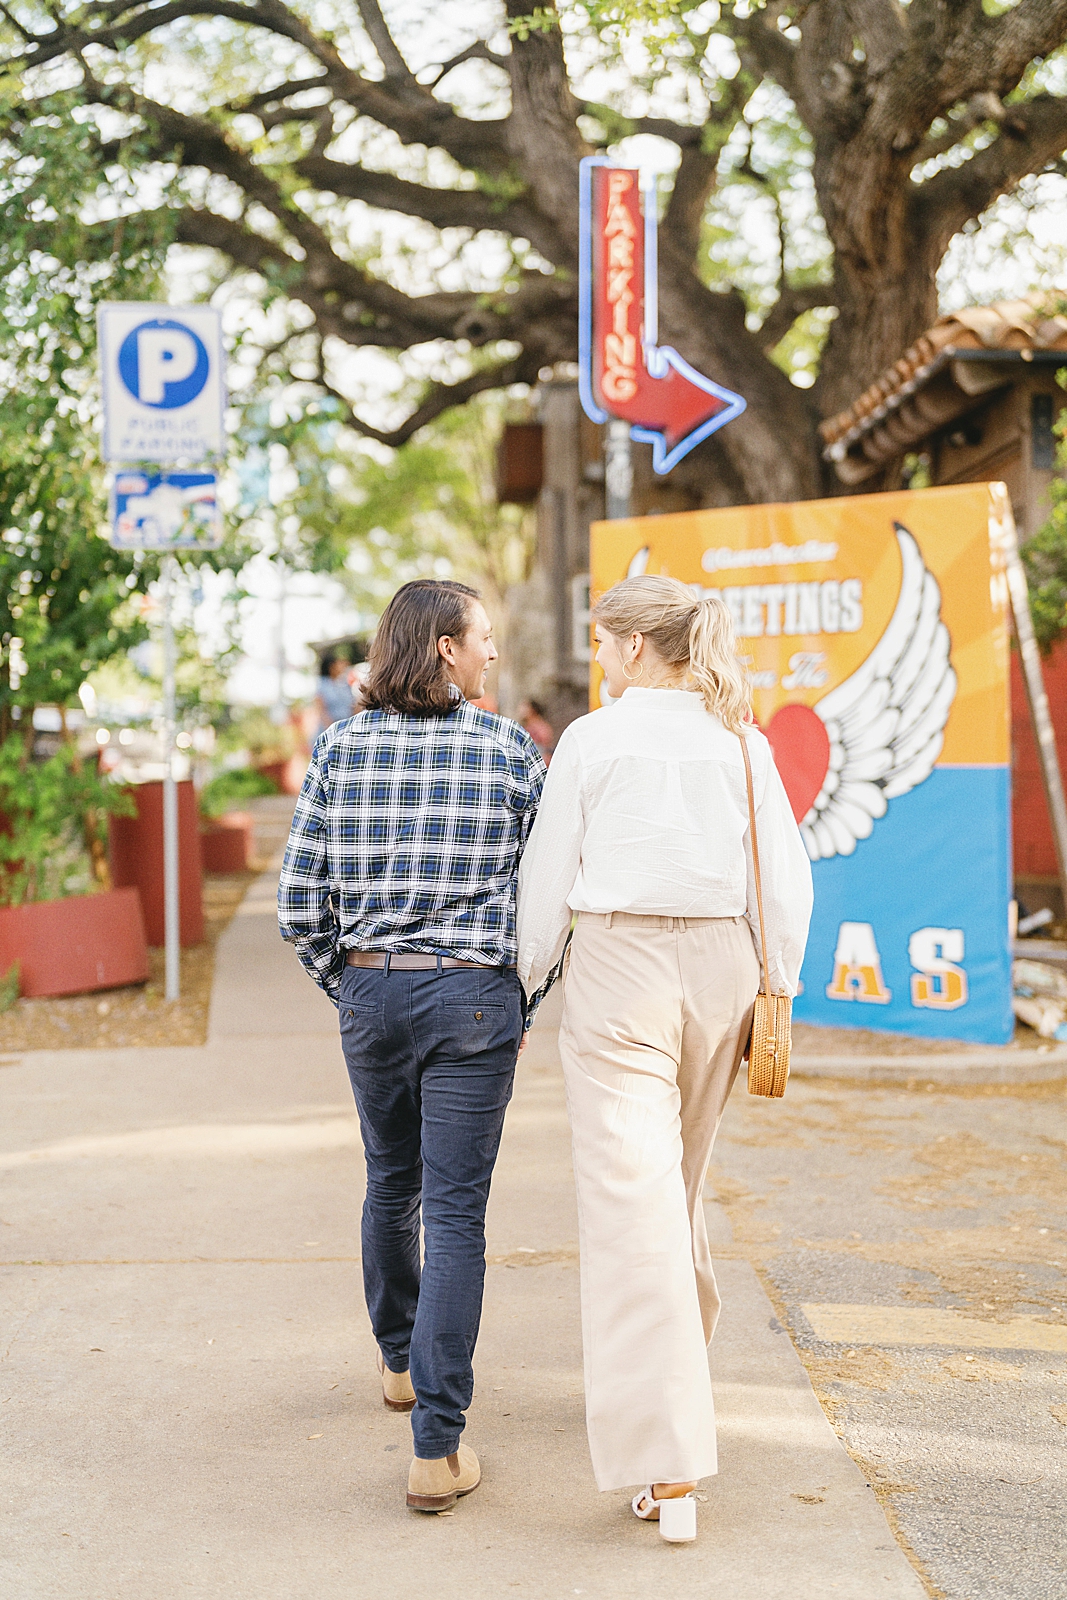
398, 893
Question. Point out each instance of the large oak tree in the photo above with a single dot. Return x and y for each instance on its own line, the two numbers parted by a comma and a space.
909, 121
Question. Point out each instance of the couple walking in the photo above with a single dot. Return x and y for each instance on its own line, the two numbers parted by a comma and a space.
435, 883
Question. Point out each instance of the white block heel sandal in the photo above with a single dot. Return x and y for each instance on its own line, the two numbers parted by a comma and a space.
677, 1517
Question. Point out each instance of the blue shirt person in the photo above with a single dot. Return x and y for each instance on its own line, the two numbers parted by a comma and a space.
334, 692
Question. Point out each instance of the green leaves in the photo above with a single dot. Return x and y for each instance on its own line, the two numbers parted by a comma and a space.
542, 19
1045, 558
229, 791
60, 581
43, 805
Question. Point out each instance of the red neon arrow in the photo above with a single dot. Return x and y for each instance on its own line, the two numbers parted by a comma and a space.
666, 401
672, 406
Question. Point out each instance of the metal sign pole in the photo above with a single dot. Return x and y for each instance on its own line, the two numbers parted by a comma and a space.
618, 470
171, 923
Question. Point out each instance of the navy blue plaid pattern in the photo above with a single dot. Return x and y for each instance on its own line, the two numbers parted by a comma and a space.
407, 836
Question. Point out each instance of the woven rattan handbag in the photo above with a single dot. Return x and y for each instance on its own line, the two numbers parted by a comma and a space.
770, 1041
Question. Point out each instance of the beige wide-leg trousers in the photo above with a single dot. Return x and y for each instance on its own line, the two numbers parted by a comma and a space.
656, 1014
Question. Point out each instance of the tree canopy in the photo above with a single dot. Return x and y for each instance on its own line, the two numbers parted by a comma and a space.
61, 584
406, 181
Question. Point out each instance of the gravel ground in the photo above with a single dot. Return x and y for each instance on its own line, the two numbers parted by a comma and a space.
846, 1042
876, 1197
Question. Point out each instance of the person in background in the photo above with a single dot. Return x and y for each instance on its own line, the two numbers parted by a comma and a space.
643, 830
334, 696
531, 716
398, 894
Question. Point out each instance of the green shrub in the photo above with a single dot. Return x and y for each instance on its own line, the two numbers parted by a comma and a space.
230, 790
10, 987
54, 819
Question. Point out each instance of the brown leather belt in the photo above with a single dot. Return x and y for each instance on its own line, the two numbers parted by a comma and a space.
400, 962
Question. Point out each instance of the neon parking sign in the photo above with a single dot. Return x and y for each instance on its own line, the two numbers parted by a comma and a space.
623, 370
163, 387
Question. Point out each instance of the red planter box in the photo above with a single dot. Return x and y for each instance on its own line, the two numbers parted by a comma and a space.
137, 859
226, 843
74, 946
288, 775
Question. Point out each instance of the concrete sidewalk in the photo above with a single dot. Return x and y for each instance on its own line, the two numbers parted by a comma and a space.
187, 1386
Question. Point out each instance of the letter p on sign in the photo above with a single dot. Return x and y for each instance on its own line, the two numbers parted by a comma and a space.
163, 363
163, 357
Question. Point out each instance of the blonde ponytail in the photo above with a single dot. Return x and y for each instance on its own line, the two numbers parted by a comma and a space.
714, 666
696, 634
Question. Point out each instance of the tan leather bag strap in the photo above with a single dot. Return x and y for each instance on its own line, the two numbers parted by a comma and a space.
755, 860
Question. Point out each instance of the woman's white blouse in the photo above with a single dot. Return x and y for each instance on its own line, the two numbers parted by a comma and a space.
645, 810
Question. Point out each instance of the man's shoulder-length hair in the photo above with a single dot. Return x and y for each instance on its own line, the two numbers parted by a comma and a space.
407, 672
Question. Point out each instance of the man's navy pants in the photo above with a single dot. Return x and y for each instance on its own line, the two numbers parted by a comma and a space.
431, 1056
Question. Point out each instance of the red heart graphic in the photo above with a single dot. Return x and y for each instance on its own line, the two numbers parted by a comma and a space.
801, 750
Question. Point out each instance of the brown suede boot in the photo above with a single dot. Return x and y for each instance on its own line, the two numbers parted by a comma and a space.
397, 1393
436, 1485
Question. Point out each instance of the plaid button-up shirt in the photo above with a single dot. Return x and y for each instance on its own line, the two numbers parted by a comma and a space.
407, 836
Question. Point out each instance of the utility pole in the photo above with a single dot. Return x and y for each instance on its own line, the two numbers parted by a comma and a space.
280, 710
171, 906
618, 470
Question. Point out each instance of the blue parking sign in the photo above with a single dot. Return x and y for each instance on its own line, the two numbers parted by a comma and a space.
163, 382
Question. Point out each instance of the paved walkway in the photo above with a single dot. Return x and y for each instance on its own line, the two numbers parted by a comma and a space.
187, 1392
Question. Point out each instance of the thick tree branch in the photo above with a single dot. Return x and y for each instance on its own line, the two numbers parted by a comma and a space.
680, 133
959, 55
953, 196
362, 310
202, 144
269, 14
13, 22
698, 168
791, 304
409, 319
441, 397
976, 51
542, 131
282, 116
478, 51
693, 183
757, 34
444, 208
392, 61
345, 302
987, 107
407, 108
272, 97
882, 25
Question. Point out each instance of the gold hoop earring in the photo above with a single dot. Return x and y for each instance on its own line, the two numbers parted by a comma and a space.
640, 673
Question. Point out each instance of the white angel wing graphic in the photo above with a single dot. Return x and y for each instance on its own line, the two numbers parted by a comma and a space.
886, 723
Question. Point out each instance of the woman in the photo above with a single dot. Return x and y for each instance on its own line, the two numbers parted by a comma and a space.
643, 832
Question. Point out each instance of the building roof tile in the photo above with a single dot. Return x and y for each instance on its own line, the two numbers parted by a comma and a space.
1036, 323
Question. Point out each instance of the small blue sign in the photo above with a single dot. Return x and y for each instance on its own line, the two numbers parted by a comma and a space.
165, 511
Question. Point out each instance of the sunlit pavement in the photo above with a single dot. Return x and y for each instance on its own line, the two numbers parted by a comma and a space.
187, 1383
915, 1242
